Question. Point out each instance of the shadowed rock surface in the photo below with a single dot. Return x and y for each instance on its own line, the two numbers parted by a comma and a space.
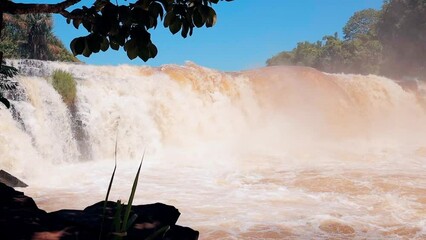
20, 218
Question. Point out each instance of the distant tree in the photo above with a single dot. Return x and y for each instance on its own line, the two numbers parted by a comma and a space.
37, 45
332, 58
363, 55
359, 52
361, 23
282, 58
11, 37
307, 54
363, 49
402, 31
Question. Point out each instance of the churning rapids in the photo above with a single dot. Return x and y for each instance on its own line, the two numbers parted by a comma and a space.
271, 153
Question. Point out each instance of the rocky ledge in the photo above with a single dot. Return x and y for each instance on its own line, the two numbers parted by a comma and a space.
20, 218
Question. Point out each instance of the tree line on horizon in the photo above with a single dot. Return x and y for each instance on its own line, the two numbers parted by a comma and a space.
389, 42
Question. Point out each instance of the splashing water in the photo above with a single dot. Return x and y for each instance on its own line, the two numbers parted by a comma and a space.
271, 153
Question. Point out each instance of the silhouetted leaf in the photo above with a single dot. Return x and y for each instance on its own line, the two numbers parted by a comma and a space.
104, 44
185, 29
114, 45
78, 45
76, 23
124, 14
156, 10
175, 26
125, 226
169, 19
94, 43
197, 18
5, 102
87, 25
144, 53
86, 51
153, 51
131, 48
211, 20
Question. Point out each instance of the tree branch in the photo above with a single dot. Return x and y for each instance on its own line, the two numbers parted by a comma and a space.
26, 8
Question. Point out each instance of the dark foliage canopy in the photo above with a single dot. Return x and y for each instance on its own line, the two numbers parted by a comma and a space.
110, 25
402, 30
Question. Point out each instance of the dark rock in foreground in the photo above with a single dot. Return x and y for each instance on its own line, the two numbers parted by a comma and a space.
11, 180
20, 218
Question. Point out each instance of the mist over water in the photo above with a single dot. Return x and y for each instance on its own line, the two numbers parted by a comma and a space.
271, 153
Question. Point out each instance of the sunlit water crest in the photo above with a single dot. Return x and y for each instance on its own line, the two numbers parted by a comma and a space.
272, 153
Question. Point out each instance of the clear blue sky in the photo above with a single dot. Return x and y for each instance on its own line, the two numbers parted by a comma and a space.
247, 32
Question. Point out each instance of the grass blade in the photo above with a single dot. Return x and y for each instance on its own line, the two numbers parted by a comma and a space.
132, 195
131, 220
117, 222
109, 188
113, 174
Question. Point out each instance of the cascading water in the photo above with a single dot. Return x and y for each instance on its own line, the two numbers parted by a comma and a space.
272, 153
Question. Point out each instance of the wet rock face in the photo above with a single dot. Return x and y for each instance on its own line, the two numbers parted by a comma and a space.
19, 215
20, 218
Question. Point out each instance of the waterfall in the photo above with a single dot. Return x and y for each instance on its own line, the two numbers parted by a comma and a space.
235, 137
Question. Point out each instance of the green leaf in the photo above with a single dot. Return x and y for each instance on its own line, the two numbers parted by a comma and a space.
117, 217
109, 189
132, 195
131, 221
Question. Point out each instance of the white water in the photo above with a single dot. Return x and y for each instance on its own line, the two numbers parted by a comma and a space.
271, 153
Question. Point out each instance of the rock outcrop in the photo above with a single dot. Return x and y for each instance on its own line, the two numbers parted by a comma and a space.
20, 218
11, 180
